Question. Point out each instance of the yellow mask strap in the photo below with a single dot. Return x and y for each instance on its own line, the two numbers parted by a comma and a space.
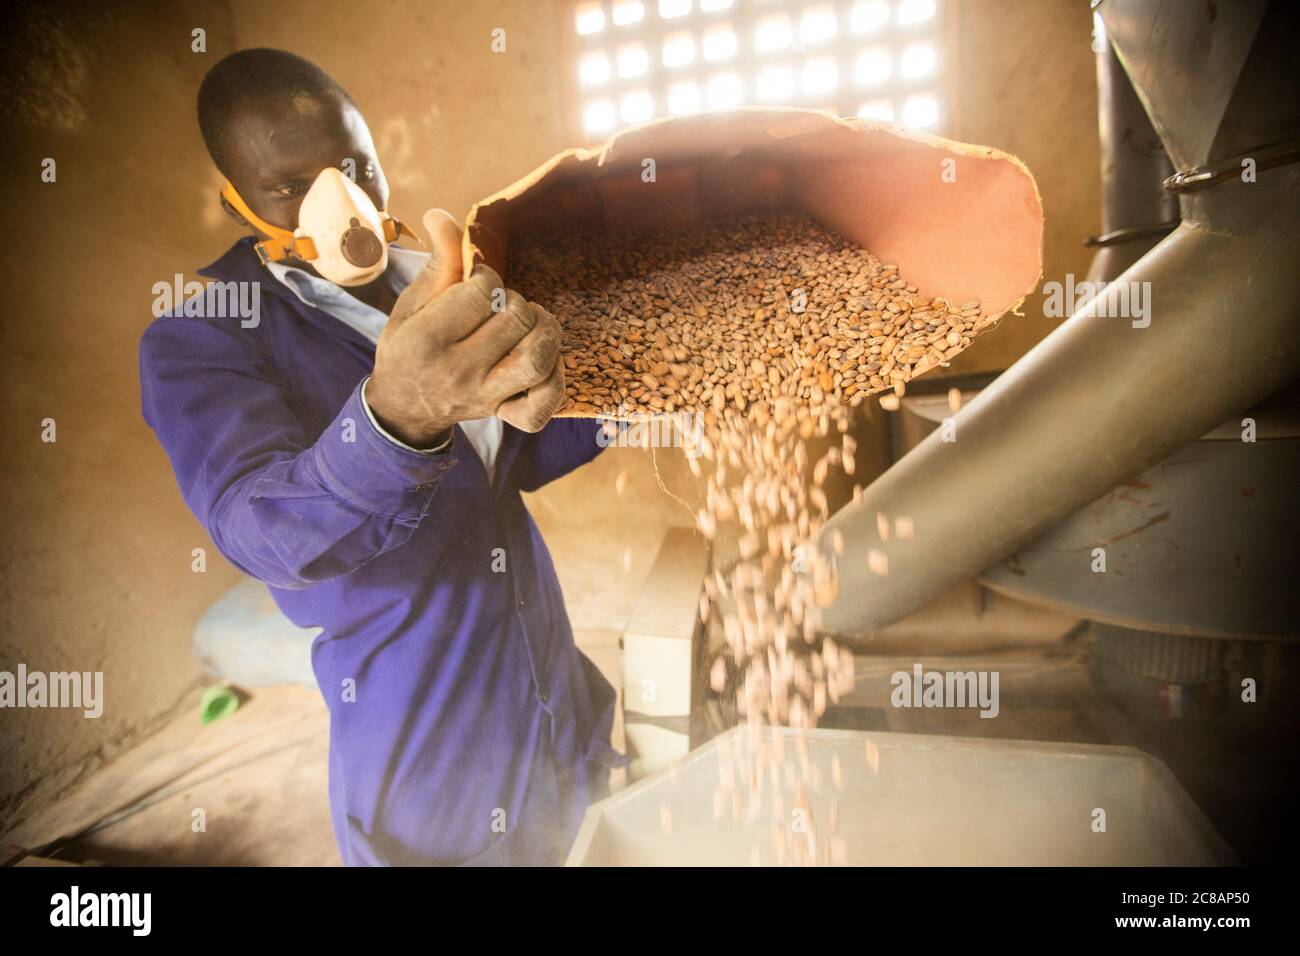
393, 228
282, 241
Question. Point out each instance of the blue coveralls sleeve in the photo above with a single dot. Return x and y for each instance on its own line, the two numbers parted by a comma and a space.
563, 445
285, 506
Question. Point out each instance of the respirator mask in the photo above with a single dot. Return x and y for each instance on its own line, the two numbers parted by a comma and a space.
340, 232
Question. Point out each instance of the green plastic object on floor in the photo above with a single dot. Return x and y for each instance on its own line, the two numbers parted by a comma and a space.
218, 701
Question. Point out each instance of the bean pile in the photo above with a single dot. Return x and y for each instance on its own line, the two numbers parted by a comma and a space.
767, 330
740, 313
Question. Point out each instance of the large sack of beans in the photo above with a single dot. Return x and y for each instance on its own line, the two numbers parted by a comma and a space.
745, 259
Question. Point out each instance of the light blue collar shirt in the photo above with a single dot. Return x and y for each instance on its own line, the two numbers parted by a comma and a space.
404, 265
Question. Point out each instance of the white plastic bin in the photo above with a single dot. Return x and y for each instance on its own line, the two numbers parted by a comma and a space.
931, 801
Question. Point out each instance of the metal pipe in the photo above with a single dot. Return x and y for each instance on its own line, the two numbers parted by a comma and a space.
1101, 398
1135, 209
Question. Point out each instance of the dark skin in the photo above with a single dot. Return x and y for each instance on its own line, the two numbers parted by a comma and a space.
455, 348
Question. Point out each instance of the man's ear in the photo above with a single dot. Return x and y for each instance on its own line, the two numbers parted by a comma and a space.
235, 214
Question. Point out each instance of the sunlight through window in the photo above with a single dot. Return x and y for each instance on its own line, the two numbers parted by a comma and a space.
881, 60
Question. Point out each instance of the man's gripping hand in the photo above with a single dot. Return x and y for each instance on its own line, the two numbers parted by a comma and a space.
446, 356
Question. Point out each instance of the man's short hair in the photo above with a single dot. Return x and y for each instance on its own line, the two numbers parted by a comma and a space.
249, 76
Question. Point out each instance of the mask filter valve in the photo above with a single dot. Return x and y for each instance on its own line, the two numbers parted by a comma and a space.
360, 246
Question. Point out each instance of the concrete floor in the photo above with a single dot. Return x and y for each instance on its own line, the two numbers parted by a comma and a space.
258, 776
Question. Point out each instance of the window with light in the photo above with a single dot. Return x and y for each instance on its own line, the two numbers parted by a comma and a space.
642, 59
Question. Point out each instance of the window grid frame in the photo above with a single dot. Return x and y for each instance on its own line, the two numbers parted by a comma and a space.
744, 15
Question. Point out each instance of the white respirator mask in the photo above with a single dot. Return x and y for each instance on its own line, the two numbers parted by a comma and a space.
340, 232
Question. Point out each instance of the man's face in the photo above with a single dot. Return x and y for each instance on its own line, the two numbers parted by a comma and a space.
282, 144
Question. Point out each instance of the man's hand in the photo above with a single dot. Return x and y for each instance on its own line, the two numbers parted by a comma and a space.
445, 356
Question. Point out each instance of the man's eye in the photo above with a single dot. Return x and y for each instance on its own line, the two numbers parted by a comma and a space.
292, 191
